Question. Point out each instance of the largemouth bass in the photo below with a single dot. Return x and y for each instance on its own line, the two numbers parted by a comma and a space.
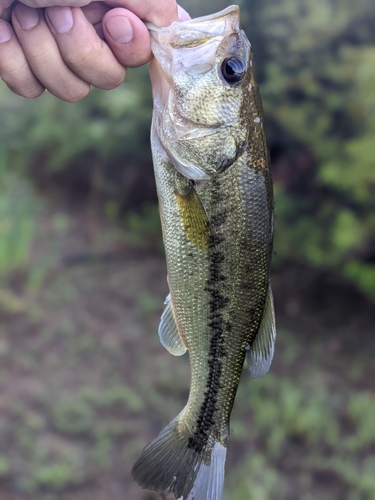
216, 204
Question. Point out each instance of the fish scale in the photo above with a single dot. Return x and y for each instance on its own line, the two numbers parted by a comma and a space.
216, 207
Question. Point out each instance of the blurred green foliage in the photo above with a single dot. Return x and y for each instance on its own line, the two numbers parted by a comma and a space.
315, 60
86, 372
302, 429
103, 127
142, 229
96, 146
316, 64
18, 208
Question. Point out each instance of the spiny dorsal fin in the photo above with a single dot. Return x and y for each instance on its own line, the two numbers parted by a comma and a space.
168, 331
260, 353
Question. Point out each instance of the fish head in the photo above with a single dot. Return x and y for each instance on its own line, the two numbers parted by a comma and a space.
203, 85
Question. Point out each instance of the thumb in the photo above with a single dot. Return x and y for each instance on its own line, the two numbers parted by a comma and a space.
127, 37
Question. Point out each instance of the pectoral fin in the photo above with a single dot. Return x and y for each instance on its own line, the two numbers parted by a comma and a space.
194, 219
168, 331
260, 353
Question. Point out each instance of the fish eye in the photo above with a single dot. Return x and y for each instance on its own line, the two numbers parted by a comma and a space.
233, 70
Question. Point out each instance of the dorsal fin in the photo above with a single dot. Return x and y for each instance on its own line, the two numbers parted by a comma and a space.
168, 331
260, 353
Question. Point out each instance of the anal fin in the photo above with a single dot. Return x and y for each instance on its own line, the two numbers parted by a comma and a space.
168, 331
260, 353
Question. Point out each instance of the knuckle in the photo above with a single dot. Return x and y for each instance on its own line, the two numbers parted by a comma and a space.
136, 59
30, 90
12, 73
35, 91
84, 57
113, 82
16, 65
20, 80
77, 93
39, 57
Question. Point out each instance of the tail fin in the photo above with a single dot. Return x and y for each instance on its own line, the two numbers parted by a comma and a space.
169, 463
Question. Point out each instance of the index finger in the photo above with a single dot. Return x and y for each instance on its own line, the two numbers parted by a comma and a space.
161, 13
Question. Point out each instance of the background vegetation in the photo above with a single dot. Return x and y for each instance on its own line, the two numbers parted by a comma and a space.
84, 383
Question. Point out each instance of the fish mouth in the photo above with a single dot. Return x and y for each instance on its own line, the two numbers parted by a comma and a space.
192, 33
216, 24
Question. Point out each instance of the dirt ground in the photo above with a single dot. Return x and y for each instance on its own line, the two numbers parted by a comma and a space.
85, 384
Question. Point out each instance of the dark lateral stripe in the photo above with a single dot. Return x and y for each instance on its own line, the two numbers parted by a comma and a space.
217, 302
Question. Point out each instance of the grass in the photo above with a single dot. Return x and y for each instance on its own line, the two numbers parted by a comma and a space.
17, 219
308, 438
86, 385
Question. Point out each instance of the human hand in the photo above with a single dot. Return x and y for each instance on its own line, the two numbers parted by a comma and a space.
61, 48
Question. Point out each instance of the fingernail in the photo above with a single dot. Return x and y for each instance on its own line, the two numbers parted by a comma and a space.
5, 33
61, 19
120, 29
182, 14
26, 16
